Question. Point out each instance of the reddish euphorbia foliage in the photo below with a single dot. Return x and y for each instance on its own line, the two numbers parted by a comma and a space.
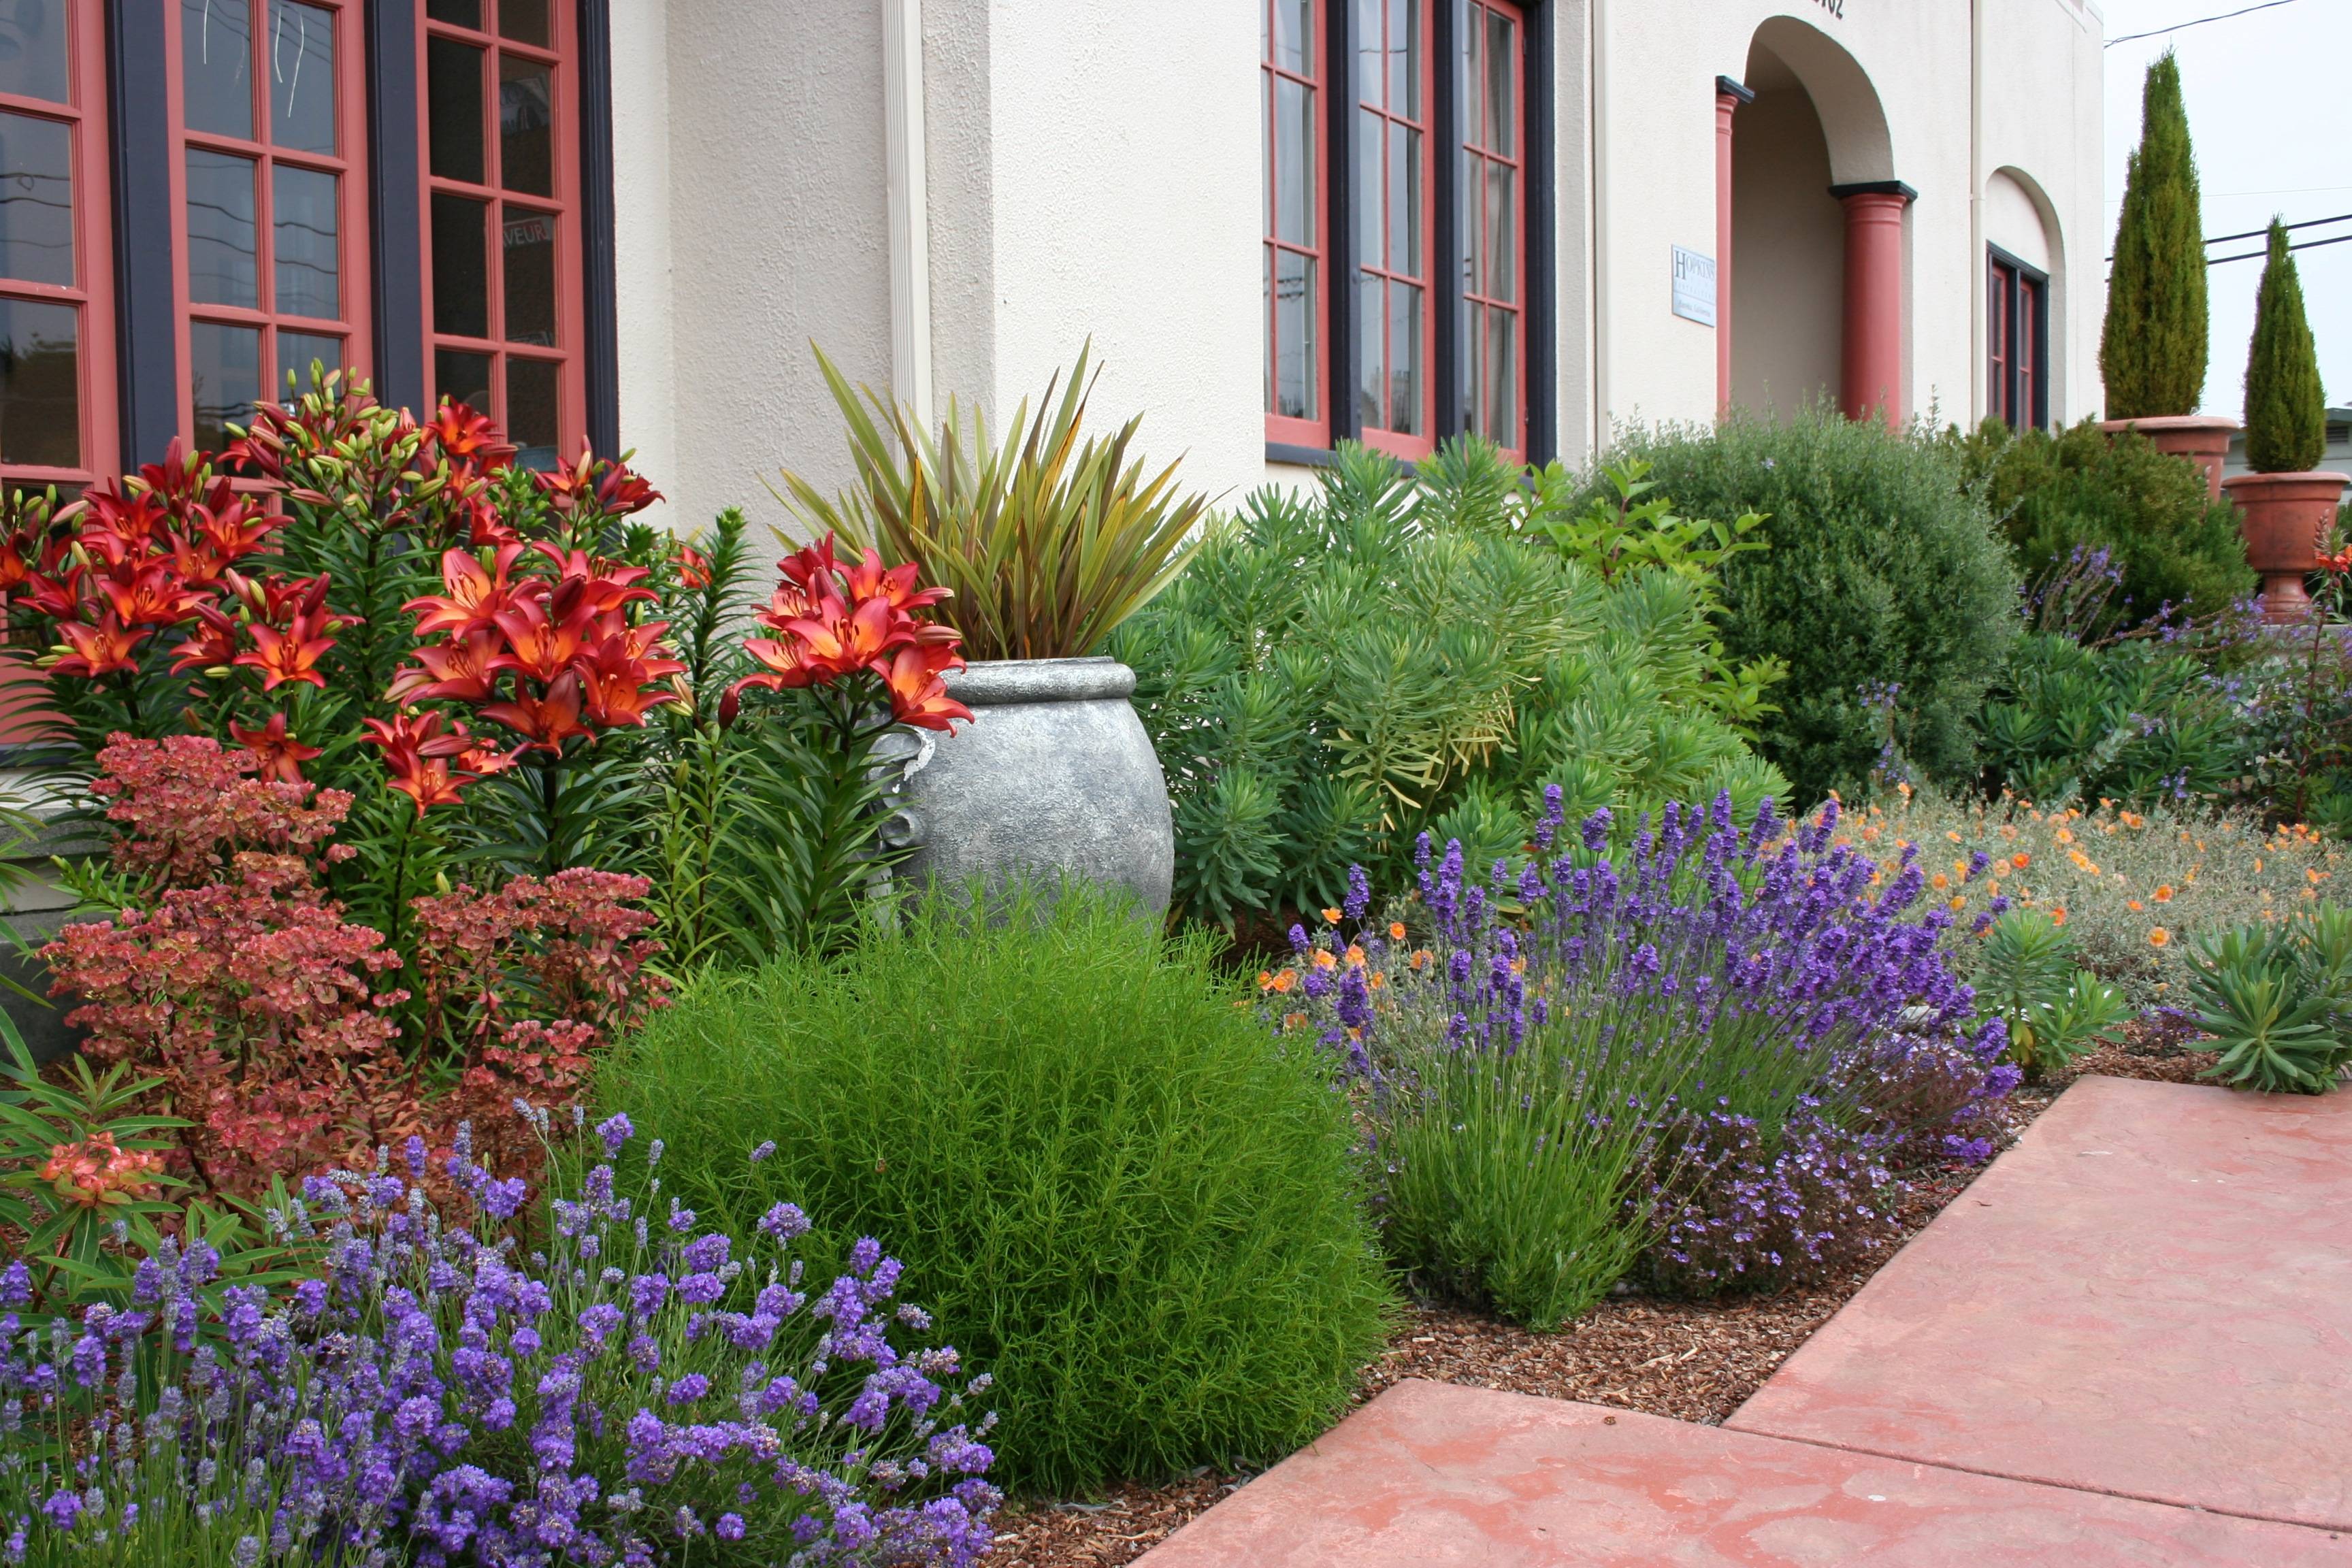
838, 620
271, 1018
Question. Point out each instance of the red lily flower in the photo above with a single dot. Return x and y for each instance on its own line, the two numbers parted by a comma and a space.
617, 685
693, 567
97, 650
918, 696
211, 645
623, 490
787, 661
425, 780
461, 670
465, 436
839, 644
281, 754
18, 555
152, 596
417, 733
482, 761
868, 580
811, 576
58, 600
290, 655
548, 721
118, 528
476, 593
542, 647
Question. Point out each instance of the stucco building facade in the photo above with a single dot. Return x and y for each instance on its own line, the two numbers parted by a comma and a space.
1282, 222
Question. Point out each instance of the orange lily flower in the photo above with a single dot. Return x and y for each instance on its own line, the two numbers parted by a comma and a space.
97, 650
476, 593
281, 754
918, 696
290, 655
549, 720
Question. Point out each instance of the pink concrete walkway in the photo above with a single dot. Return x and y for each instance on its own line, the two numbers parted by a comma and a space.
2130, 1342
2150, 1295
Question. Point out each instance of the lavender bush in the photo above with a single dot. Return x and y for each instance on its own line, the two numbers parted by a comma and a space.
633, 1390
1697, 1054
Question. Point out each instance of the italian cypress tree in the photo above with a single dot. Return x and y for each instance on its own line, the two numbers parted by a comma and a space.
2152, 352
2286, 411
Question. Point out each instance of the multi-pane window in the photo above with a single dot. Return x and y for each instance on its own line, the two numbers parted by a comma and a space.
1397, 186
271, 188
1494, 179
2017, 342
1292, 75
56, 354
1394, 311
502, 208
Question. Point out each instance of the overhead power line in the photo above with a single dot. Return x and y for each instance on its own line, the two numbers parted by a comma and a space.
2199, 22
2259, 233
2257, 254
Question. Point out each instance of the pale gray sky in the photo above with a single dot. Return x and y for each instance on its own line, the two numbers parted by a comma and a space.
2265, 95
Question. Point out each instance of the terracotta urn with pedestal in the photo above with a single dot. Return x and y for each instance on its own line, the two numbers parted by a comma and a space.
2203, 439
2284, 518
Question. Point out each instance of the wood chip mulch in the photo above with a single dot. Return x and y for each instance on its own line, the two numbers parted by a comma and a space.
1691, 1361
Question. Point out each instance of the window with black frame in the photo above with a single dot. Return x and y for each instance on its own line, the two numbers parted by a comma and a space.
2017, 341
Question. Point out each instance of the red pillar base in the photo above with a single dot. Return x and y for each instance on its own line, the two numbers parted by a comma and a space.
1871, 365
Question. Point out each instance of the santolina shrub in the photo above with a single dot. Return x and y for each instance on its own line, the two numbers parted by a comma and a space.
641, 1389
1140, 1217
1701, 1050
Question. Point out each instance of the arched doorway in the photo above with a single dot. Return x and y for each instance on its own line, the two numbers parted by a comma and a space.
1818, 270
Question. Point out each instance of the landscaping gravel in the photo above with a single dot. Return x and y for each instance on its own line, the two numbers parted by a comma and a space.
1691, 1361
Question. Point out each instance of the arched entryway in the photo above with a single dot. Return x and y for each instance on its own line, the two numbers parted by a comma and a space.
1815, 247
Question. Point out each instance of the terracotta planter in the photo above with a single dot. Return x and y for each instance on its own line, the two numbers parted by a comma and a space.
2283, 518
2203, 439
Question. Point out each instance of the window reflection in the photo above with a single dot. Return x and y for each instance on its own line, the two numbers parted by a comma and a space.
223, 379
216, 62
36, 200
223, 268
303, 234
461, 282
530, 277
526, 127
33, 50
301, 76
40, 384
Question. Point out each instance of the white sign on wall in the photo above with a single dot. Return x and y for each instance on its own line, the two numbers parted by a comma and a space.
1694, 286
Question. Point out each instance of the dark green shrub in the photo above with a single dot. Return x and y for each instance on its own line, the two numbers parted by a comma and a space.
2061, 496
1137, 1212
2137, 723
1881, 572
2286, 412
2152, 348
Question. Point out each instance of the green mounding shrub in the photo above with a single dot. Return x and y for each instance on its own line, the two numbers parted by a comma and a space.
1142, 1216
1410, 651
2286, 411
2152, 347
2137, 722
2061, 497
1882, 571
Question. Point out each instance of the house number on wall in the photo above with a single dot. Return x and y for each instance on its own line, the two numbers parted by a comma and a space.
1835, 7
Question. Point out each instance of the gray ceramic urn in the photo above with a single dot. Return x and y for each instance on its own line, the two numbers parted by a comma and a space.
1054, 776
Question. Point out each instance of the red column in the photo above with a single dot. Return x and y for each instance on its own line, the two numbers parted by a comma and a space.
1871, 367
1728, 96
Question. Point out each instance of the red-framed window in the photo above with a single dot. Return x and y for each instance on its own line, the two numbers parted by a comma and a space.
1297, 303
503, 303
2017, 341
268, 105
1396, 306
57, 253
1493, 190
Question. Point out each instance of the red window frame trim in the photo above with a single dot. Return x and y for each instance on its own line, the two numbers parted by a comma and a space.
1474, 156
354, 287
93, 291
562, 54
1399, 443
1314, 432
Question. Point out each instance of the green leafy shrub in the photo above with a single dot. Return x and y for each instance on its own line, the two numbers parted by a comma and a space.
2026, 976
1407, 651
2278, 1002
1141, 1216
1882, 573
2286, 411
2137, 721
2064, 496
2152, 346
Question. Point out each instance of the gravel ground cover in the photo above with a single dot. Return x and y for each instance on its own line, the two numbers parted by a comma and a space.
1691, 1361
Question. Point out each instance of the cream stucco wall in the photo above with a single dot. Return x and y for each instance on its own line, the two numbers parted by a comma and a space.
1096, 171
1893, 83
